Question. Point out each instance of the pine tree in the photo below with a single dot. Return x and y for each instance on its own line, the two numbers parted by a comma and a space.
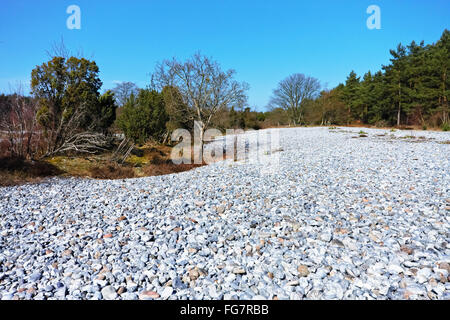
396, 79
351, 96
440, 58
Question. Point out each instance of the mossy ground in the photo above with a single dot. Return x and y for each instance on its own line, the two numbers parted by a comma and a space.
148, 160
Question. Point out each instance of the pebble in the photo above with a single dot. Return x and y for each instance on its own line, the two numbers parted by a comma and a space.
109, 293
166, 293
303, 271
336, 217
145, 295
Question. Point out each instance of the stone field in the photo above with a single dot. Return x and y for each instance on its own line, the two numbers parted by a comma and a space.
343, 215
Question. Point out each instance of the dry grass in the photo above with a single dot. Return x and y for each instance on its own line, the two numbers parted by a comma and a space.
19, 171
111, 171
168, 168
149, 160
159, 162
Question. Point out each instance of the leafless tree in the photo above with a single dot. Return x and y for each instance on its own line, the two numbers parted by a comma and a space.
123, 90
293, 92
19, 125
205, 88
59, 49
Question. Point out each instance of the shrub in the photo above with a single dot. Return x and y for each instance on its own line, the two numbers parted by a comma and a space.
70, 105
445, 127
143, 117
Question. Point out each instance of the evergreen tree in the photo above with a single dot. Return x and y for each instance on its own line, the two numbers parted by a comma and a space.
395, 80
413, 89
351, 96
143, 117
439, 61
106, 109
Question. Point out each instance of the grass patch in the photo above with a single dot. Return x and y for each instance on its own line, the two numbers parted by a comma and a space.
137, 161
75, 166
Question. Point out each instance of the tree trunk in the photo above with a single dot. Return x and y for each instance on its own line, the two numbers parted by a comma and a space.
199, 131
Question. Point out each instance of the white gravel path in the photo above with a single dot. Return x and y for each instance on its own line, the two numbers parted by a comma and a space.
340, 218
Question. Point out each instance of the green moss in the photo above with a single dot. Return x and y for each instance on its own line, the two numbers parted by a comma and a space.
137, 161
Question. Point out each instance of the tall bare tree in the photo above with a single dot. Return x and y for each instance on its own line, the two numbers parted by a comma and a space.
205, 88
293, 92
123, 90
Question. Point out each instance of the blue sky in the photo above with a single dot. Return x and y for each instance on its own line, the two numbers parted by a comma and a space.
264, 41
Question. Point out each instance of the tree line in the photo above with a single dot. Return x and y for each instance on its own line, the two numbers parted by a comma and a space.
413, 89
66, 113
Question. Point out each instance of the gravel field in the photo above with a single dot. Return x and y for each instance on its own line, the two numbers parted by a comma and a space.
341, 217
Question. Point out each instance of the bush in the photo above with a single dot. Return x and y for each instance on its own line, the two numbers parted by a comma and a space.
445, 127
143, 117
69, 104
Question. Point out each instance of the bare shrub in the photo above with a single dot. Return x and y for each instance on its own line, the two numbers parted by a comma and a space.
19, 133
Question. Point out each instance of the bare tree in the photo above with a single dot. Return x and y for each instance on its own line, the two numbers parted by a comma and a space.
293, 92
59, 49
19, 125
123, 90
205, 88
